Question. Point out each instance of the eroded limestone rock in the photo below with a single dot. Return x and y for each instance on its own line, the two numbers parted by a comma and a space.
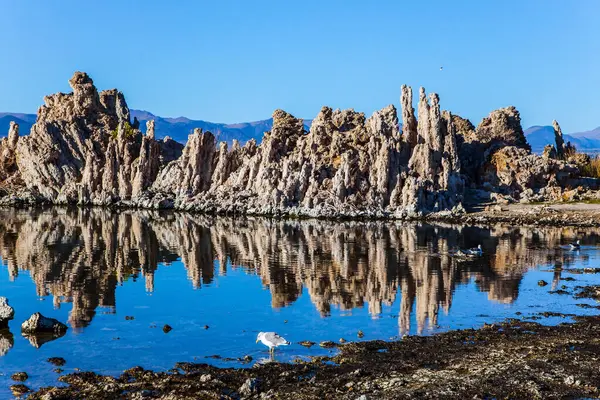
37, 323
84, 149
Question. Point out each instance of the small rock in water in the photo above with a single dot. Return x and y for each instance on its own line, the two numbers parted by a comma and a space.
129, 318
58, 370
542, 283
250, 387
57, 361
360, 334
6, 313
19, 390
19, 376
206, 326
306, 343
285, 321
327, 344
342, 340
37, 323
167, 328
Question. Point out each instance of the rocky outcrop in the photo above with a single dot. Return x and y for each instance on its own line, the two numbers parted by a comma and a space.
37, 323
8, 159
6, 313
558, 138
502, 128
84, 149
516, 172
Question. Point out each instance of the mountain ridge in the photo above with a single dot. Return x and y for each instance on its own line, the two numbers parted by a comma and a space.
179, 128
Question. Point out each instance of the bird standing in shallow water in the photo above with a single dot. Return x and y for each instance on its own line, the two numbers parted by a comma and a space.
271, 340
575, 246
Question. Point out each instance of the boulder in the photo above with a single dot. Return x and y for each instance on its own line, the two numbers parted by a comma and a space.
37, 323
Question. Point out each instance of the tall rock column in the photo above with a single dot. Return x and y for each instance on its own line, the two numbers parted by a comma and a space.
409, 123
434, 182
560, 143
8, 148
147, 164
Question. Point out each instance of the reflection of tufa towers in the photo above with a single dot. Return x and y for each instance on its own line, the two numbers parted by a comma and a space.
80, 256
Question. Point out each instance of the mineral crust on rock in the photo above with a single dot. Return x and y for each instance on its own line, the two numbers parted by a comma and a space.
84, 149
37, 323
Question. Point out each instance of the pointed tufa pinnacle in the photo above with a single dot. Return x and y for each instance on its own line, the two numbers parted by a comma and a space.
558, 137
150, 129
409, 123
13, 134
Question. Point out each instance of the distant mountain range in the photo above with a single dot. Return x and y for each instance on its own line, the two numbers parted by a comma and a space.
179, 129
176, 128
540, 136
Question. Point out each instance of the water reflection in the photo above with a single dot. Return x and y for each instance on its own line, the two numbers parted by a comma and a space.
80, 256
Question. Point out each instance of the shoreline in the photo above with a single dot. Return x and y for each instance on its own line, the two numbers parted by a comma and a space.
516, 359
576, 214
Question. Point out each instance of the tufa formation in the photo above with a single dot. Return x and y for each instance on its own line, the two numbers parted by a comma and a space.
84, 149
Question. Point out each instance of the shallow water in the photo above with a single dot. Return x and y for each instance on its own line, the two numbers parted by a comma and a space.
307, 280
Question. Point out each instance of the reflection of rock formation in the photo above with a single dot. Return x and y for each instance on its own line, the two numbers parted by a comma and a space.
39, 339
6, 341
80, 256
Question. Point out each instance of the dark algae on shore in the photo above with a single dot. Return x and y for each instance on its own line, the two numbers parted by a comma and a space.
516, 359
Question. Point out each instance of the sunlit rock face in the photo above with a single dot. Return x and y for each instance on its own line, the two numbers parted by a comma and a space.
82, 256
84, 149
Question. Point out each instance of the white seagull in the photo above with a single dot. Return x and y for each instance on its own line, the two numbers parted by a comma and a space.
271, 340
575, 246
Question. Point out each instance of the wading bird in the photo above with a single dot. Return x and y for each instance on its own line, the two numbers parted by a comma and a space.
271, 340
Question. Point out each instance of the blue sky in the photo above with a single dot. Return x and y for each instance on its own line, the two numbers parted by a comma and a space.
233, 61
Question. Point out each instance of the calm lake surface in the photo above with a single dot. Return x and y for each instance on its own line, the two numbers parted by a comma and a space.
307, 280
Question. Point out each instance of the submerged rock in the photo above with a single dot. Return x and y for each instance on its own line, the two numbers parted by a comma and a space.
7, 313
57, 361
19, 376
19, 390
37, 323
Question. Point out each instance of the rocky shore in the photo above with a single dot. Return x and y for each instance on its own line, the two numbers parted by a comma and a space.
84, 149
516, 359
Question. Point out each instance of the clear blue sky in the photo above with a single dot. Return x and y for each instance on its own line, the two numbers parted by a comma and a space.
233, 61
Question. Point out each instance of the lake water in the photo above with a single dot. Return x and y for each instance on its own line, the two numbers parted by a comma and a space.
218, 282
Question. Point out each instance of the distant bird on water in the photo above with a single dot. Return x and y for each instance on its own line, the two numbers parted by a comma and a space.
271, 340
441, 68
475, 251
575, 246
